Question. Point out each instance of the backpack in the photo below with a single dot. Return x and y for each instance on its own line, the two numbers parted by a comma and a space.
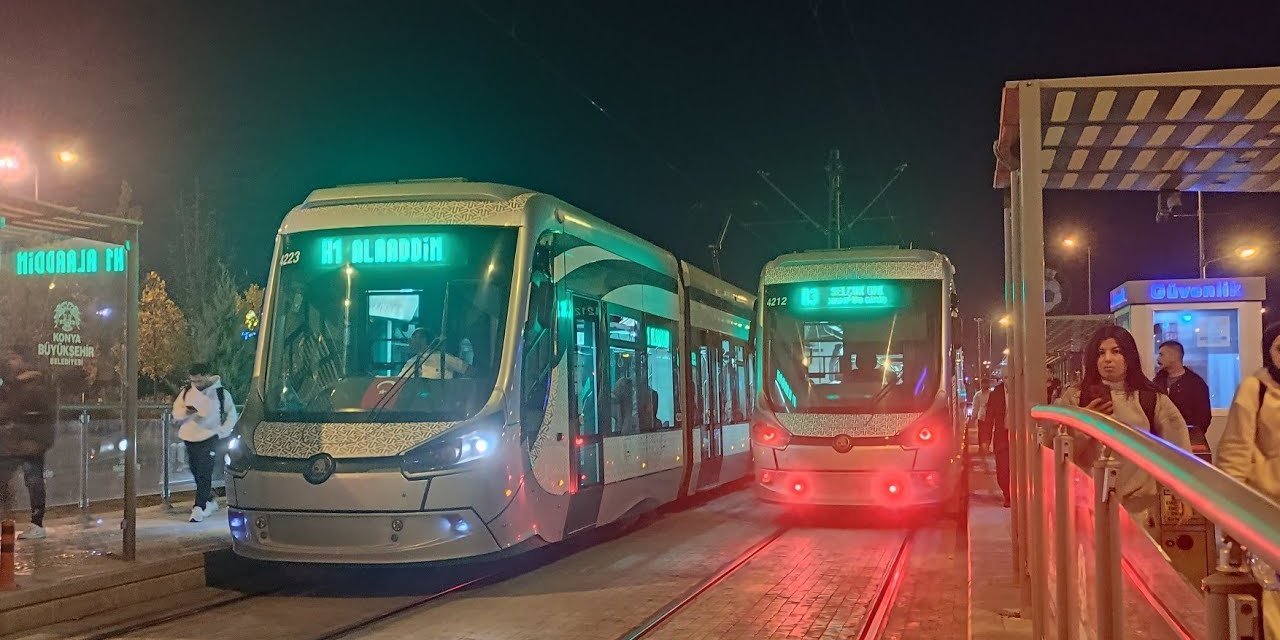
222, 401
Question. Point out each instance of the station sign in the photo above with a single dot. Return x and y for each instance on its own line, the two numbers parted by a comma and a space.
69, 261
383, 249
1188, 291
67, 348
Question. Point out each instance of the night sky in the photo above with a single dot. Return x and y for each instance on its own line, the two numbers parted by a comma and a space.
655, 116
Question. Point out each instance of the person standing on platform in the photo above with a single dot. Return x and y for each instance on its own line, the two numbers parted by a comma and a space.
1187, 389
28, 405
980, 418
1114, 385
997, 414
206, 413
1052, 385
1249, 450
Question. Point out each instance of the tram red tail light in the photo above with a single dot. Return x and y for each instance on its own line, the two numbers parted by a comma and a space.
770, 435
925, 432
766, 477
798, 487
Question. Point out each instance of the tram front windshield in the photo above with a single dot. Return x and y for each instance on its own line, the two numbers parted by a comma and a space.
387, 323
855, 347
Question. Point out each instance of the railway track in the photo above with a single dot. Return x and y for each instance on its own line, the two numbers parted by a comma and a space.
873, 623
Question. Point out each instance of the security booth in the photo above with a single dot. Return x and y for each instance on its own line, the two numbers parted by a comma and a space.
70, 284
1212, 318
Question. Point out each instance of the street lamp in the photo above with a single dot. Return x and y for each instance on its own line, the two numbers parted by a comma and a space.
1072, 242
1247, 252
14, 162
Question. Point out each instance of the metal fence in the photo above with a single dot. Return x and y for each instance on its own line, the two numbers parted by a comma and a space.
1078, 544
87, 461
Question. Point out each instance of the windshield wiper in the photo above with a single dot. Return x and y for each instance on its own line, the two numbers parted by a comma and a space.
400, 380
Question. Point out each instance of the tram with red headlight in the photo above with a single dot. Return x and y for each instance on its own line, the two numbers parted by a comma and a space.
451, 370
861, 386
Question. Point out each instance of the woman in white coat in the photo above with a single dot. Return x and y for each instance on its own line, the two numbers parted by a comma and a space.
1249, 450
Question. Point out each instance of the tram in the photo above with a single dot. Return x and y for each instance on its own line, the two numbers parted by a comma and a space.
861, 380
450, 370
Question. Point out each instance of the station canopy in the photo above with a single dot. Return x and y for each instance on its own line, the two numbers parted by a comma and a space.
22, 217
1186, 131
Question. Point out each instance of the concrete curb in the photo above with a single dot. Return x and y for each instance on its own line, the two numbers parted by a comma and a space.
28, 609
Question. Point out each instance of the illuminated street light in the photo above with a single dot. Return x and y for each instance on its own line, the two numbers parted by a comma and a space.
1006, 351
1072, 242
1245, 252
15, 165
1005, 320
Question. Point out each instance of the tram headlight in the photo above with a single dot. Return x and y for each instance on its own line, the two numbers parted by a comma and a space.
449, 452
238, 454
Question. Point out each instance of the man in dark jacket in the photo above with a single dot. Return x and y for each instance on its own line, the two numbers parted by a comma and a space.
26, 433
1189, 392
997, 411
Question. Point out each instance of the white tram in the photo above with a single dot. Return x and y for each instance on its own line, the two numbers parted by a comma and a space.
860, 377
450, 370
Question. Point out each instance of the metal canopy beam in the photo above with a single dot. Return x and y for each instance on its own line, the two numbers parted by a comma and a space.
24, 217
1192, 131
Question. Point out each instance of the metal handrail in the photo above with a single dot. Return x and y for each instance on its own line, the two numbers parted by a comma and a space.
1232, 596
1249, 517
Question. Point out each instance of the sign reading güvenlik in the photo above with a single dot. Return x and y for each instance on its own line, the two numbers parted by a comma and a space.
67, 348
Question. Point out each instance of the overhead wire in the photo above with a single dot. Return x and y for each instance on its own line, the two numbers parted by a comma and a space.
878, 97
727, 153
583, 94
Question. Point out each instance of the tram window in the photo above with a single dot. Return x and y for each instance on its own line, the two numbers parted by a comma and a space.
659, 409
707, 386
740, 391
345, 313
623, 328
539, 345
623, 376
589, 465
824, 352
697, 397
584, 369
728, 383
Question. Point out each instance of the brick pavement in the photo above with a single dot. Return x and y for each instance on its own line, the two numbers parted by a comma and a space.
811, 583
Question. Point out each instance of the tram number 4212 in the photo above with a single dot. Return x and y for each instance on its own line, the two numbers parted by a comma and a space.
776, 301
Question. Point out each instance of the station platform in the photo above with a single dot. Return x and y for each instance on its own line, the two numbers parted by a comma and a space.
723, 566
78, 570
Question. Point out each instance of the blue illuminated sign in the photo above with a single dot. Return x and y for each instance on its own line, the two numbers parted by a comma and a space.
1179, 291
1119, 298
1219, 290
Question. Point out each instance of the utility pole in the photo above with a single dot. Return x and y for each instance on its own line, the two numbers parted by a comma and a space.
835, 198
718, 246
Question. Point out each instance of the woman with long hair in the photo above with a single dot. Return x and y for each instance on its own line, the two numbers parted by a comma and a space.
1249, 450
1114, 385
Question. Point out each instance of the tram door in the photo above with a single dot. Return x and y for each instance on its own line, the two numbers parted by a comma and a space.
587, 444
708, 383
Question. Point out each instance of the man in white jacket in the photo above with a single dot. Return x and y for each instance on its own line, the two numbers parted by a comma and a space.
206, 413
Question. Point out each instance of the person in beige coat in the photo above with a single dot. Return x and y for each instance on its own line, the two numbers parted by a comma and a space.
1249, 450
1114, 385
